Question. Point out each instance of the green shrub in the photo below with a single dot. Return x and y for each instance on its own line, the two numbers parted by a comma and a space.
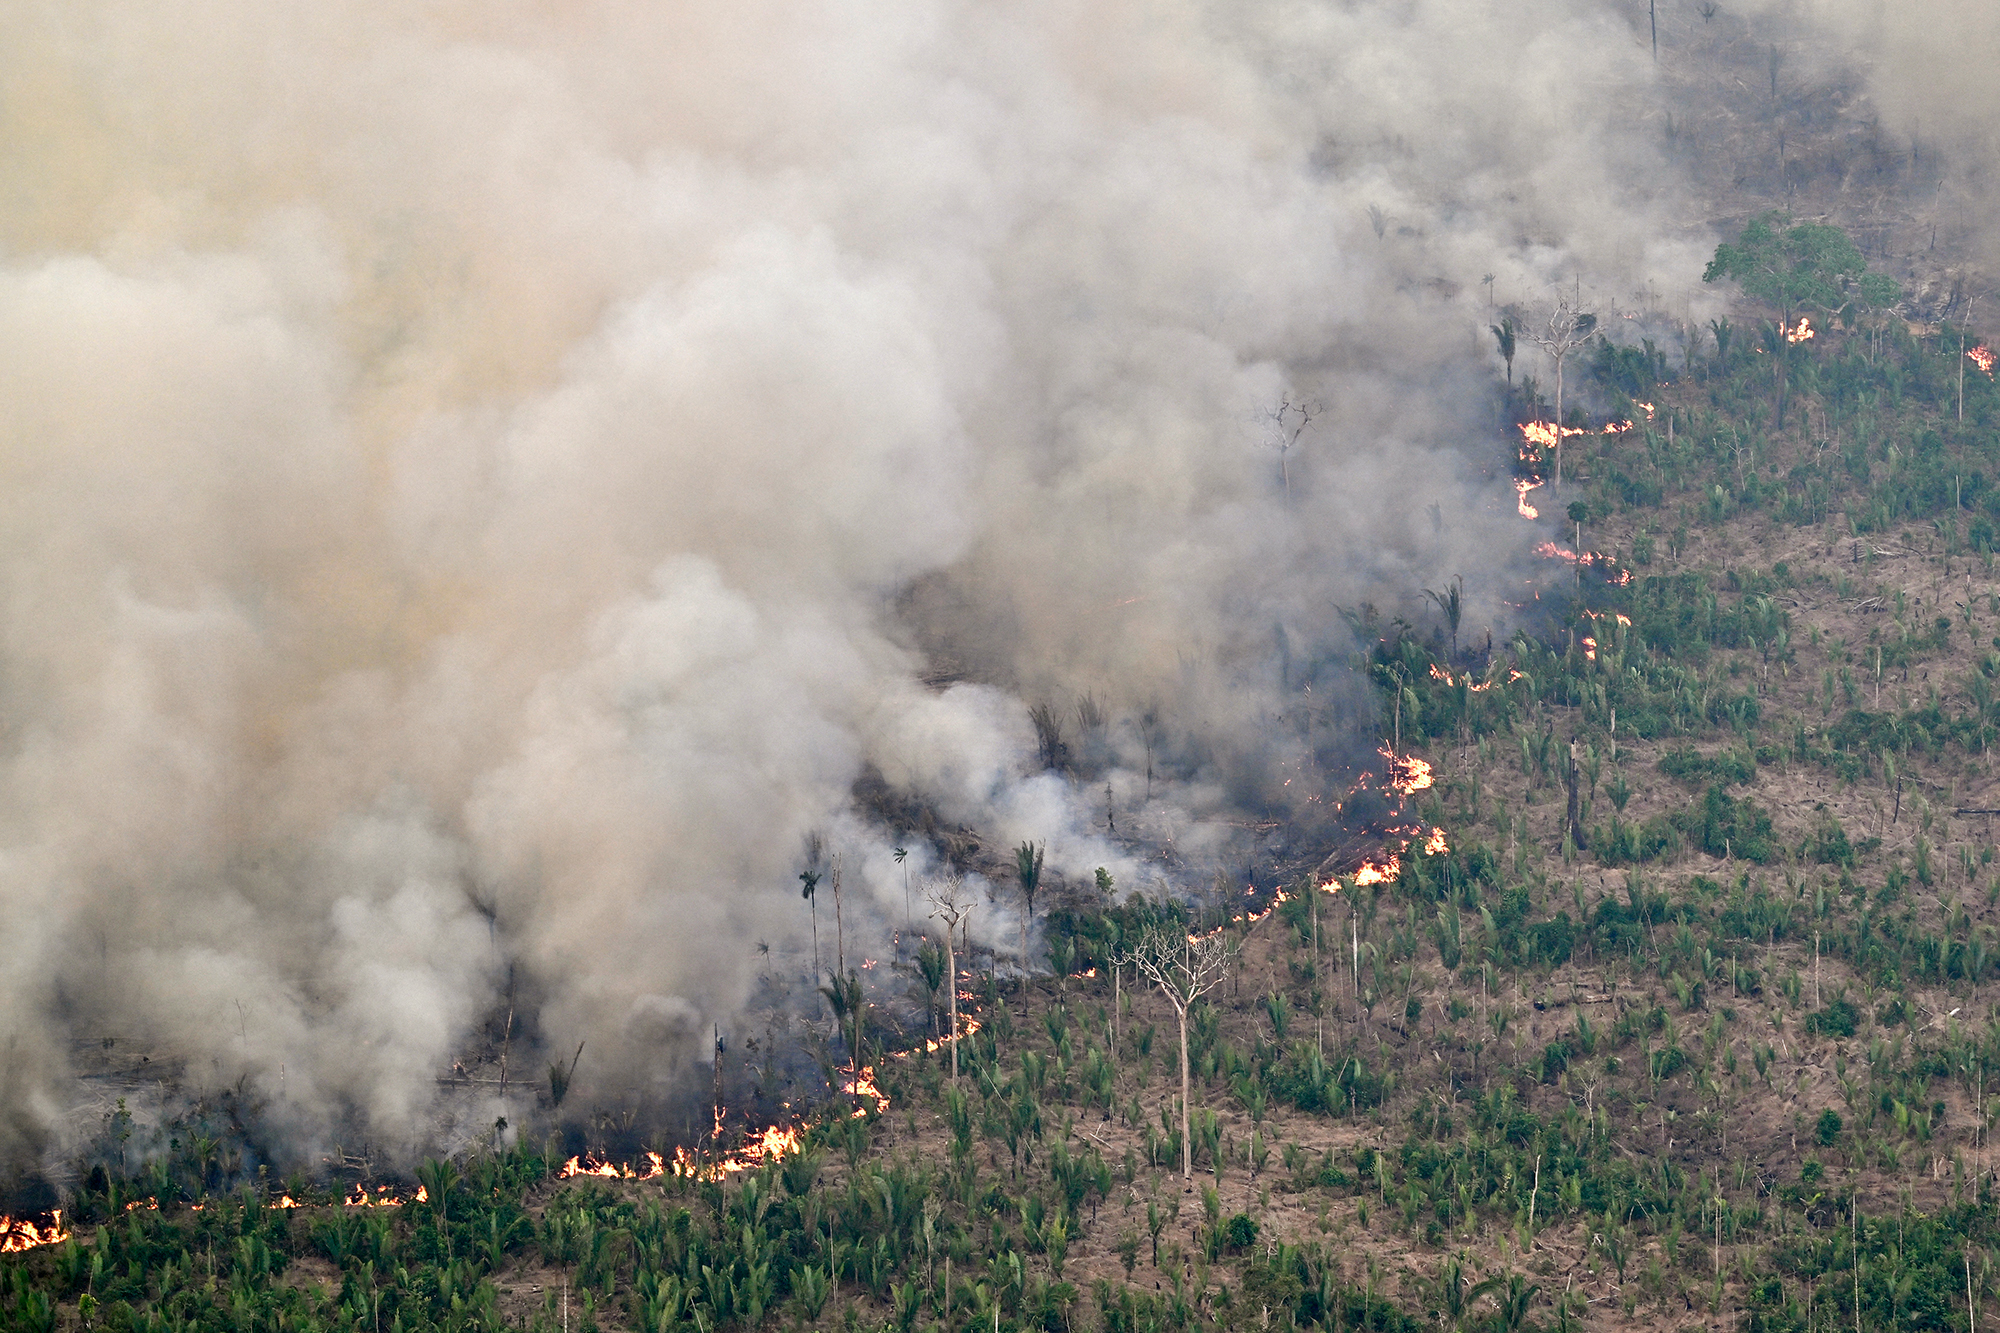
1838, 1019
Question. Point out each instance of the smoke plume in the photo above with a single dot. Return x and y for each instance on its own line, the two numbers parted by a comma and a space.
483, 481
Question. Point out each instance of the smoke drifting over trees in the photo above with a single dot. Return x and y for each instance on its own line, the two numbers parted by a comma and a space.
482, 483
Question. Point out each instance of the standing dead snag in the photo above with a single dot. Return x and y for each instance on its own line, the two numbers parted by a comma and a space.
1568, 329
951, 904
1185, 968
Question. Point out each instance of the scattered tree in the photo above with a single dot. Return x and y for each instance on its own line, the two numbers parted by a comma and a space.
1185, 968
1806, 268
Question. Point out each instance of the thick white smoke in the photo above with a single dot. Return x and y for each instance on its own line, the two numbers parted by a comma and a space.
482, 480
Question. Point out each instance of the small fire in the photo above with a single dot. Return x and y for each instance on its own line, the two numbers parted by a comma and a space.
1374, 872
1467, 680
1550, 551
656, 1167
19, 1234
1647, 408
1982, 356
966, 1027
383, 1197
1521, 504
863, 1085
1435, 845
1543, 435
1408, 774
1803, 333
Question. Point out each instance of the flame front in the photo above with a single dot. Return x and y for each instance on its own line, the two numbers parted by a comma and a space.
656, 1167
1982, 356
1378, 872
19, 1234
1408, 774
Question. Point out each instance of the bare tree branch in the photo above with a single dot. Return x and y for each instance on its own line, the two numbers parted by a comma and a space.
1185, 967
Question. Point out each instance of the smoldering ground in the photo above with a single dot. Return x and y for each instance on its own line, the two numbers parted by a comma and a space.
483, 481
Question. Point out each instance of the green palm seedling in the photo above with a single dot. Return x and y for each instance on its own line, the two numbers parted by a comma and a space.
1451, 1296
908, 1300
1514, 1299
438, 1178
1279, 1006
930, 966
505, 1228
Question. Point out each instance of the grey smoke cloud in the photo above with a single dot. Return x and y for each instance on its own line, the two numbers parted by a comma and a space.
482, 481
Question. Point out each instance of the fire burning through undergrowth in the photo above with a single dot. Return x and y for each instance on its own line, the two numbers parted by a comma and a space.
1403, 776
18, 1235
1469, 681
766, 1147
1537, 437
1982, 356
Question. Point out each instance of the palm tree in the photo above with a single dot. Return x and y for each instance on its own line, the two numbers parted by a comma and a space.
1503, 332
810, 878
902, 855
849, 1008
1028, 869
1452, 603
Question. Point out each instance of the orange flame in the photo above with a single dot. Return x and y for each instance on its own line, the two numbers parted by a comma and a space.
19, 1234
598, 1167
1408, 774
863, 1085
1982, 356
1589, 649
1435, 845
1803, 333
1521, 504
1372, 872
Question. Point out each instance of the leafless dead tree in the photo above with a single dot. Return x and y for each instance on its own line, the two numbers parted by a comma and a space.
1185, 967
950, 903
1567, 329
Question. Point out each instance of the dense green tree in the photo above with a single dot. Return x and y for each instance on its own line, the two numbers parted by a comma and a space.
1810, 267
